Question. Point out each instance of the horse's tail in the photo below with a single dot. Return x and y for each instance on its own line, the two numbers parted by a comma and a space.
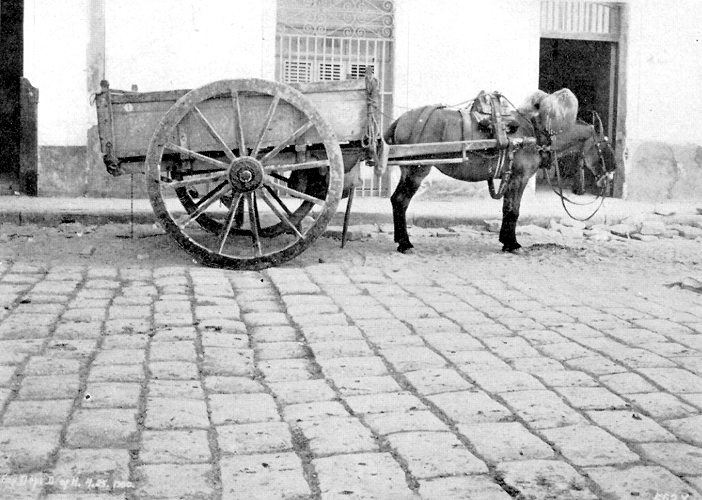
389, 135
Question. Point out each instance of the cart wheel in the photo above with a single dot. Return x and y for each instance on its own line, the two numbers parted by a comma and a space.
213, 225
257, 202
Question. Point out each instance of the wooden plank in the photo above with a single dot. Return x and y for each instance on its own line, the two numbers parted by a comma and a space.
120, 97
124, 97
434, 148
426, 161
592, 37
330, 86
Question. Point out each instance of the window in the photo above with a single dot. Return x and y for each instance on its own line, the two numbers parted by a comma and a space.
297, 71
332, 40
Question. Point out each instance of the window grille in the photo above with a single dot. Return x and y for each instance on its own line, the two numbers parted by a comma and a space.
332, 40
329, 71
586, 20
297, 71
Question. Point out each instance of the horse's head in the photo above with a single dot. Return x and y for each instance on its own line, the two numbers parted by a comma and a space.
598, 153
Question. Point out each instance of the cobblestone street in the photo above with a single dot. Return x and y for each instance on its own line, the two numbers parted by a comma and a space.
330, 381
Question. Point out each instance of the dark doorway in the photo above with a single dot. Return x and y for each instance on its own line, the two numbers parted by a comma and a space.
589, 69
11, 67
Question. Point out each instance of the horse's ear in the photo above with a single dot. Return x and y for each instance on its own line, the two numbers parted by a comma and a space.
597, 121
558, 111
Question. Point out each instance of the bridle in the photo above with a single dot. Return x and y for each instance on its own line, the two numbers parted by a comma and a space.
603, 179
606, 176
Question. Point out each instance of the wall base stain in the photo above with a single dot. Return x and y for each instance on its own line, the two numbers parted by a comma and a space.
664, 172
77, 171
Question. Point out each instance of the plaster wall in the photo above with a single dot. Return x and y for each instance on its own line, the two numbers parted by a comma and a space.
445, 53
663, 157
448, 51
176, 44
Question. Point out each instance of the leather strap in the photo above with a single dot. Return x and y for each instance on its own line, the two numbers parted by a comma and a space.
498, 123
421, 124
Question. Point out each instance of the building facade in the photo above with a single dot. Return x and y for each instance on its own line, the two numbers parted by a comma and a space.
637, 63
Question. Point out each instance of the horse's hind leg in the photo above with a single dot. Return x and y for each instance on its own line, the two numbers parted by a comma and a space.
410, 180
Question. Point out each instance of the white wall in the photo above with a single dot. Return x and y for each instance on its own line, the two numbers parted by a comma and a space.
175, 44
665, 71
56, 36
448, 51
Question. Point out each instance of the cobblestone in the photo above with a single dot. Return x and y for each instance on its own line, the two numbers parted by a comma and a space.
27, 448
263, 476
180, 446
505, 442
328, 436
364, 476
102, 428
480, 487
332, 381
435, 454
587, 445
246, 439
545, 479
640, 482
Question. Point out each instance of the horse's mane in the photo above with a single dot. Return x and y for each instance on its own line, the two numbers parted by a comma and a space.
556, 112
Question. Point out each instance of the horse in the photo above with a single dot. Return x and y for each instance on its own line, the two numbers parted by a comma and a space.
549, 118
586, 146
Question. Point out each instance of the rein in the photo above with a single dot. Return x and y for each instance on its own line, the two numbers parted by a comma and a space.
565, 199
601, 180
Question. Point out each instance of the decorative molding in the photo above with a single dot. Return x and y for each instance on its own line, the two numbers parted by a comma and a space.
337, 18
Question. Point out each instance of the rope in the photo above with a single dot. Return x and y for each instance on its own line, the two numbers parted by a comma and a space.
564, 198
372, 132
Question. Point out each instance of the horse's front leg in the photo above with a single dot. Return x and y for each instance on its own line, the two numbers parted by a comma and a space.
511, 204
410, 180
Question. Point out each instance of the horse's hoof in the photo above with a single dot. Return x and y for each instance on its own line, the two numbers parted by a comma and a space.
404, 249
514, 250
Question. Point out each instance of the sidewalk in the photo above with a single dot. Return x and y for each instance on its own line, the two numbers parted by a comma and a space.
538, 209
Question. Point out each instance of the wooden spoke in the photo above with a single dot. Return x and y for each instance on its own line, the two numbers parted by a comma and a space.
253, 221
279, 177
295, 135
262, 223
196, 179
215, 135
297, 166
204, 204
279, 214
292, 192
229, 222
239, 123
196, 156
277, 198
266, 123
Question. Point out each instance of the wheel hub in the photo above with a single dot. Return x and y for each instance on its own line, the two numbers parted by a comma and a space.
246, 174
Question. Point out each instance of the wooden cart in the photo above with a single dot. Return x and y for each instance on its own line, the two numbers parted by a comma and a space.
246, 174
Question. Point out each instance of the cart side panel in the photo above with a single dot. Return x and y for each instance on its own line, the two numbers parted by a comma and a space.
345, 110
134, 124
135, 117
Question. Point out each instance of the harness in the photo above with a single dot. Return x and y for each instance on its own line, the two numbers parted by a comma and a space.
485, 113
601, 180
